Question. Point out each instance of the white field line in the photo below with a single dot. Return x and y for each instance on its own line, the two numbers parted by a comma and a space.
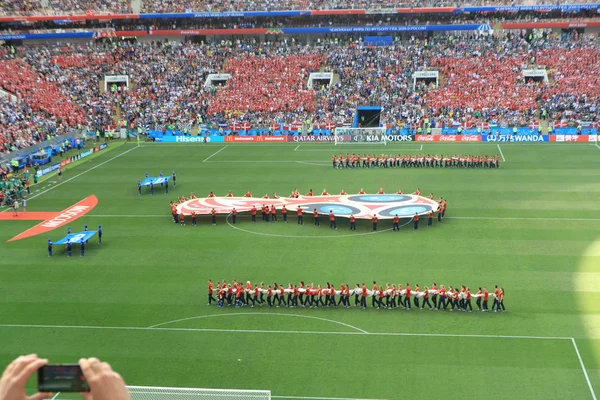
525, 218
78, 175
501, 153
315, 164
318, 398
337, 149
215, 153
260, 313
157, 390
290, 332
587, 378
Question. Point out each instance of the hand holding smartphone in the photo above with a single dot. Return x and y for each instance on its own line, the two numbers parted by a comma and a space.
65, 378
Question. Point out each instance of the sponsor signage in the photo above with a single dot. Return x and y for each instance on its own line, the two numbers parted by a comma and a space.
573, 138
255, 139
86, 153
380, 138
243, 139
81, 155
47, 170
515, 138
315, 139
274, 139
190, 139
449, 138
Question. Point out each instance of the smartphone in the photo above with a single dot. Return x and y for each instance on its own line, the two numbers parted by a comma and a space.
66, 378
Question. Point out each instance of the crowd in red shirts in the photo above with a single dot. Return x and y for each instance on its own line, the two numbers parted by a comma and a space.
268, 85
18, 78
484, 80
388, 296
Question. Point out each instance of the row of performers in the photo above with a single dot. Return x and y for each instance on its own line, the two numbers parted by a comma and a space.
382, 297
296, 194
414, 161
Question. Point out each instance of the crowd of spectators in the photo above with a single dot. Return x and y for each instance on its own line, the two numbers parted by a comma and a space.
262, 5
42, 95
481, 80
31, 7
295, 22
83, 6
61, 7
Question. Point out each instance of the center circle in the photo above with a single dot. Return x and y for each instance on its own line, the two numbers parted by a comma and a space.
237, 228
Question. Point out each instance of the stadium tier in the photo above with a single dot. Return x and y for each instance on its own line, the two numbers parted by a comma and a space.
33, 7
481, 84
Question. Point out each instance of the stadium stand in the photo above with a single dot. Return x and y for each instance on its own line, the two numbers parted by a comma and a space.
256, 5
58, 86
19, 78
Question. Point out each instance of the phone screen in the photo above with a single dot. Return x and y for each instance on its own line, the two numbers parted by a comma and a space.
62, 378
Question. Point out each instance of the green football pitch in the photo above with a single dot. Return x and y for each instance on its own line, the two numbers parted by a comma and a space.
138, 300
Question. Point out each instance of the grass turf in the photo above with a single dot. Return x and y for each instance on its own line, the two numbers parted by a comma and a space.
531, 227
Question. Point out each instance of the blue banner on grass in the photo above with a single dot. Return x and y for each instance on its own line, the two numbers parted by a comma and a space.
76, 238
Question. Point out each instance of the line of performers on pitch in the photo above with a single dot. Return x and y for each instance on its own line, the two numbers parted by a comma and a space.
414, 161
382, 297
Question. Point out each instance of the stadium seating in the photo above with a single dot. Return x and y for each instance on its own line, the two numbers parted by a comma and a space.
268, 85
481, 83
258, 5
33, 7
18, 77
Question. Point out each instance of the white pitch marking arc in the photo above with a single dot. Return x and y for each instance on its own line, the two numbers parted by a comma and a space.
308, 237
261, 313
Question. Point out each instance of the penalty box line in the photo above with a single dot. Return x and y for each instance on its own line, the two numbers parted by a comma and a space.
585, 373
